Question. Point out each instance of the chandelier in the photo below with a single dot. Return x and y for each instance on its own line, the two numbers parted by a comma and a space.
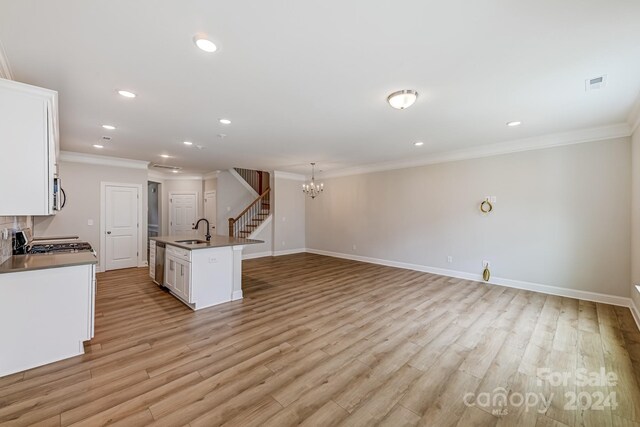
312, 189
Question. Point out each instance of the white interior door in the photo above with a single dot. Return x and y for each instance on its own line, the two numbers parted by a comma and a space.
121, 227
210, 210
183, 211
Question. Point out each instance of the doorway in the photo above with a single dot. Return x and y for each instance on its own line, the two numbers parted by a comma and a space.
210, 203
183, 208
153, 212
120, 225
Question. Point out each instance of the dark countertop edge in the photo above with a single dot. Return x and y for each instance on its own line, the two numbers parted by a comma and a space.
221, 243
20, 263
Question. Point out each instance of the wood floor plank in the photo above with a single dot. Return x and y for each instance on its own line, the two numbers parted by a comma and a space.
326, 341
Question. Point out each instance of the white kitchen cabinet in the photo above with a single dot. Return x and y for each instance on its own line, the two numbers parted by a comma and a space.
45, 315
29, 149
178, 272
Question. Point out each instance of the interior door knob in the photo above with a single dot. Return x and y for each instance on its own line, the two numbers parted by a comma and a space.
108, 232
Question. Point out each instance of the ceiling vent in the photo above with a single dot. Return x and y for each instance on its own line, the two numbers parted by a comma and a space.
106, 138
173, 168
595, 83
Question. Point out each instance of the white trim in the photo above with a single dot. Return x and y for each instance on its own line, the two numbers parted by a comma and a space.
536, 143
174, 177
5, 67
535, 287
635, 312
236, 295
261, 227
289, 175
246, 185
102, 264
257, 255
173, 193
92, 159
290, 251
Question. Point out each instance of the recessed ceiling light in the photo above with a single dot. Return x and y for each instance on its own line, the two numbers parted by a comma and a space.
402, 99
188, 143
204, 43
109, 127
418, 144
222, 135
174, 171
225, 121
512, 124
98, 146
127, 94
166, 156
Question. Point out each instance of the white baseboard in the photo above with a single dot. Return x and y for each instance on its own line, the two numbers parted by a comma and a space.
517, 284
635, 311
257, 255
236, 295
290, 251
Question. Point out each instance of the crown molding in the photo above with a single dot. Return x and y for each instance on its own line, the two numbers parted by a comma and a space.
155, 175
92, 159
5, 67
602, 133
289, 175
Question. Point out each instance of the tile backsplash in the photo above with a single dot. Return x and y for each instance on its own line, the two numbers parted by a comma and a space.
10, 223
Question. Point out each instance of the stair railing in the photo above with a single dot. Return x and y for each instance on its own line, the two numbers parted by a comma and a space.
243, 223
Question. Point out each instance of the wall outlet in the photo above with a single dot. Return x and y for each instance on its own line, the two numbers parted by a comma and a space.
486, 263
213, 260
354, 247
283, 243
89, 222
228, 208
284, 219
449, 259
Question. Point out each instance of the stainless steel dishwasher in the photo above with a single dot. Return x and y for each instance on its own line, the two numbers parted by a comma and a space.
160, 248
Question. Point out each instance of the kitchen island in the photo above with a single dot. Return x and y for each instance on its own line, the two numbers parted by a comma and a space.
198, 272
46, 308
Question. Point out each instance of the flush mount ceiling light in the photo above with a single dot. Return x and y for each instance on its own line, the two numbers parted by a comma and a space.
109, 127
225, 121
188, 143
174, 171
165, 156
402, 99
127, 94
204, 43
98, 146
418, 143
514, 124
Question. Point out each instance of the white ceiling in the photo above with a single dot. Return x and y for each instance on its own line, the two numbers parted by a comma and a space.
307, 81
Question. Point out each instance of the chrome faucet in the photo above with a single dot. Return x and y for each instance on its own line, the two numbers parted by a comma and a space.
208, 235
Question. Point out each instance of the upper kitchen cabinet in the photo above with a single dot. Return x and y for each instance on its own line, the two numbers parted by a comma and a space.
29, 150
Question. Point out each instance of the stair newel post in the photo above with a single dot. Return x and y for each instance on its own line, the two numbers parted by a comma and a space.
231, 222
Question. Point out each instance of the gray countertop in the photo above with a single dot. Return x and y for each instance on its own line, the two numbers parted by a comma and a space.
216, 241
19, 263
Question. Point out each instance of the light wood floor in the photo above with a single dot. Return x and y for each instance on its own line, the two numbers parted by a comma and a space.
321, 341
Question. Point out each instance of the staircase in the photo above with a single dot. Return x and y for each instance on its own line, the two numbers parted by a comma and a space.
258, 211
258, 180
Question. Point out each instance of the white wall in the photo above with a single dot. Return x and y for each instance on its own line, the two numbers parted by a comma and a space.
562, 216
232, 197
289, 215
635, 216
81, 183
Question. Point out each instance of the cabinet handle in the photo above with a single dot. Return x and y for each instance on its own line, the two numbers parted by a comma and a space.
181, 270
171, 265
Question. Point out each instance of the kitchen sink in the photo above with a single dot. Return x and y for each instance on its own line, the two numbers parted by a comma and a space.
191, 242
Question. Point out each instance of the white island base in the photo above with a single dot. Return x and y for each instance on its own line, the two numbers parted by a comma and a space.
203, 275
